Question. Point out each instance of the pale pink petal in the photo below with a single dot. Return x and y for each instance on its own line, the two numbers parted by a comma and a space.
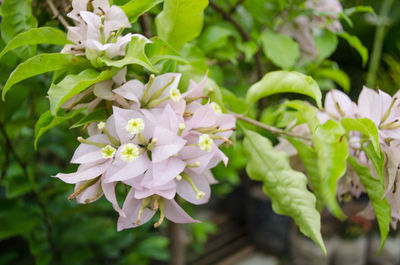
167, 170
176, 214
122, 116
163, 80
103, 90
109, 192
368, 98
89, 153
120, 78
131, 90
115, 19
85, 172
196, 90
185, 190
131, 209
168, 144
91, 193
125, 171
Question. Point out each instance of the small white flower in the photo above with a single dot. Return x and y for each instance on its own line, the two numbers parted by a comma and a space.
217, 108
175, 94
108, 151
205, 142
179, 178
129, 152
135, 126
101, 125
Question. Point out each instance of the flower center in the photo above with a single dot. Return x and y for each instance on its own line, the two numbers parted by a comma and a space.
135, 126
108, 151
217, 108
129, 152
175, 94
205, 142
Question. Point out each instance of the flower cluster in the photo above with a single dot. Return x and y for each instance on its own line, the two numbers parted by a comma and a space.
98, 30
301, 28
164, 144
158, 142
385, 114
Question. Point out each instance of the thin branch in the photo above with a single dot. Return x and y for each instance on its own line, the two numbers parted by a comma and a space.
57, 14
266, 127
246, 37
145, 25
233, 8
24, 168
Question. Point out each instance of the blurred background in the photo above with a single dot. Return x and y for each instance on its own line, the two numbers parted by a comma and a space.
38, 225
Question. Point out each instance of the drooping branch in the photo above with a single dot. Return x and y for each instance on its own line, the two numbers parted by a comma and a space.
243, 33
57, 14
266, 127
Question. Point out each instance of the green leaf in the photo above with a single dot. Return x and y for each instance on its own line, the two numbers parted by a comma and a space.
16, 18
72, 85
159, 50
286, 187
358, 9
377, 159
284, 82
375, 191
282, 50
356, 44
95, 116
366, 127
48, 121
135, 8
42, 63
134, 55
46, 35
331, 147
326, 43
180, 21
309, 158
337, 75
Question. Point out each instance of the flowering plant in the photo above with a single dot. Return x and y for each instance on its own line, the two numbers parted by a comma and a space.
154, 122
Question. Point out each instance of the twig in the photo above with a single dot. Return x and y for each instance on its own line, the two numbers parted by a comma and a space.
57, 14
233, 8
266, 127
145, 25
23, 166
246, 37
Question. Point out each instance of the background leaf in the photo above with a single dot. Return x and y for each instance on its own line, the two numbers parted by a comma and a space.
135, 8
284, 82
17, 18
42, 63
72, 85
46, 35
180, 21
282, 50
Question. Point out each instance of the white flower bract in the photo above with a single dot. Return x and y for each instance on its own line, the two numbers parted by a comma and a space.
135, 126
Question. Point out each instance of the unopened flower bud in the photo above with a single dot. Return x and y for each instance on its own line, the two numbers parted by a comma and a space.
101, 125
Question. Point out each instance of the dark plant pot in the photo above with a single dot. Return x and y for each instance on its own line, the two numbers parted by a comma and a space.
352, 251
305, 252
267, 230
390, 254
